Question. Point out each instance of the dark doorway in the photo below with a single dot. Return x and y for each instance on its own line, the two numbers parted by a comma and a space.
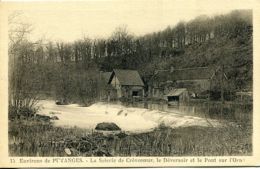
173, 98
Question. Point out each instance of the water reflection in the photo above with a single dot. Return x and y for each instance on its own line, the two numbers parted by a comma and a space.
212, 110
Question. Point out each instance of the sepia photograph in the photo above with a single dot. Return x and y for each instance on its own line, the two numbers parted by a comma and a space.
130, 79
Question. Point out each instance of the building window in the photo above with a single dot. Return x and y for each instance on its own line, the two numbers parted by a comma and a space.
135, 93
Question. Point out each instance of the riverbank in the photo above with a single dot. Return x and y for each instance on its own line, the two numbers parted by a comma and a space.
34, 138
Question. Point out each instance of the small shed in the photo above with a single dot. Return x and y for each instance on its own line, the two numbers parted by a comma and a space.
127, 83
176, 96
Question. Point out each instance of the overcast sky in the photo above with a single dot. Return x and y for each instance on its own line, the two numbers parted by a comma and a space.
94, 19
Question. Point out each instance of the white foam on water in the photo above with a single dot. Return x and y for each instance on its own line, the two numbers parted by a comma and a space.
128, 119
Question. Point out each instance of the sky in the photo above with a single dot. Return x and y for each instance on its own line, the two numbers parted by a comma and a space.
68, 21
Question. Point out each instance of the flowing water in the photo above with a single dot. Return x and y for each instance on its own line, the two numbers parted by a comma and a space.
139, 117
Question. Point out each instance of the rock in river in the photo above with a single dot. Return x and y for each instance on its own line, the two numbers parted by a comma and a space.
107, 126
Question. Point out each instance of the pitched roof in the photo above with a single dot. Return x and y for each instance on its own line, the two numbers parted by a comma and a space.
106, 76
161, 76
127, 77
176, 92
184, 74
191, 73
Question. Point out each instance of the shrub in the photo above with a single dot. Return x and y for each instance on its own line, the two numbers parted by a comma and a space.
21, 112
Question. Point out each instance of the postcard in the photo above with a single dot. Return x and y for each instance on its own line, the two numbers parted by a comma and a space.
118, 83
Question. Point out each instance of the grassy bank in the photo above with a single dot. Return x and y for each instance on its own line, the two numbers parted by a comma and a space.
32, 138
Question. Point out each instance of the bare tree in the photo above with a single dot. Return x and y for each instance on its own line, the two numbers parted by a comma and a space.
22, 96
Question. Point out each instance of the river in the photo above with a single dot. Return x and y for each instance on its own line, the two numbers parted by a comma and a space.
138, 117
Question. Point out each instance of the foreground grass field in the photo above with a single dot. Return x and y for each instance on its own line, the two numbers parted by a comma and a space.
34, 138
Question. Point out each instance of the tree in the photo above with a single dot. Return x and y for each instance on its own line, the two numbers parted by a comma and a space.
22, 87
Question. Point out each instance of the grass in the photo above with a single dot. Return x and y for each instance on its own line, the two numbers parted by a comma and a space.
34, 138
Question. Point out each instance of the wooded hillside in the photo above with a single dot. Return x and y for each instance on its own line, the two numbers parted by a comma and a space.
71, 70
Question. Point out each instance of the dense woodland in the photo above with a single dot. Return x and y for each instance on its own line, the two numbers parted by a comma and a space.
71, 71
